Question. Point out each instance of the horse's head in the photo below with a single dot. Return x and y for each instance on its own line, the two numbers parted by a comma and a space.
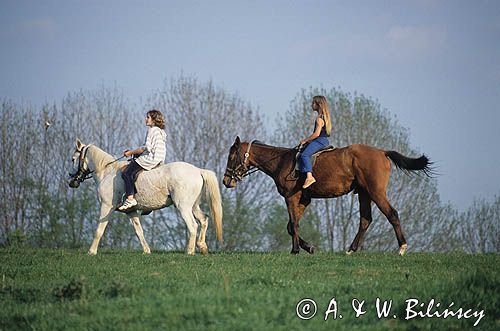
80, 169
236, 165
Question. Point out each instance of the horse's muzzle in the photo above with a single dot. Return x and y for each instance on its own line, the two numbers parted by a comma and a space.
73, 183
229, 182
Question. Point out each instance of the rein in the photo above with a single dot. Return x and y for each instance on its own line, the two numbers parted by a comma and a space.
118, 159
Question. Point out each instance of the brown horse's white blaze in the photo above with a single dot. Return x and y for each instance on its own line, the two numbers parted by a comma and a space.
361, 168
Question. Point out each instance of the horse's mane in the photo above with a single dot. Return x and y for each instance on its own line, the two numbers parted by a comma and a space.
260, 143
102, 158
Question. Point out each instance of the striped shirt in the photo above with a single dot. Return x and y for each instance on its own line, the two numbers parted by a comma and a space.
154, 149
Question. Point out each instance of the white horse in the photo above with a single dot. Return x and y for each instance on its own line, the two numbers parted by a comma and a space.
177, 183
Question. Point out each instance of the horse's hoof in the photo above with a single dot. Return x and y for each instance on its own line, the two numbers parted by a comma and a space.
90, 253
295, 252
311, 250
349, 252
146, 252
402, 249
204, 250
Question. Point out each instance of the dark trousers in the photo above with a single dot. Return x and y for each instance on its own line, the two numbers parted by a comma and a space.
129, 175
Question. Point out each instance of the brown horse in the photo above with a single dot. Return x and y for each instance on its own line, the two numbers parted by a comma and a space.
359, 168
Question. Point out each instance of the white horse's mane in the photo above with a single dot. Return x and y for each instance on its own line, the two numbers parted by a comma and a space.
103, 159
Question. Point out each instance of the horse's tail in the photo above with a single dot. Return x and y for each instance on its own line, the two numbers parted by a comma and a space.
408, 164
211, 185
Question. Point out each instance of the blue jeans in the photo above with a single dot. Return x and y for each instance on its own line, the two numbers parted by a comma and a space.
311, 148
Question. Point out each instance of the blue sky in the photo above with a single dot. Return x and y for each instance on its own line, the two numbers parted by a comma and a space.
434, 64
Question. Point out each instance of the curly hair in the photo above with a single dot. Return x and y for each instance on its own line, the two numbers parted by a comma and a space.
157, 118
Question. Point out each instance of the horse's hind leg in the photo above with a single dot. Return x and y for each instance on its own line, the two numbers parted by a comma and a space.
393, 217
187, 215
136, 222
202, 217
365, 211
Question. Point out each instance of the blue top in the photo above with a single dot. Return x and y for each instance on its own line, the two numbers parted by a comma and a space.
323, 130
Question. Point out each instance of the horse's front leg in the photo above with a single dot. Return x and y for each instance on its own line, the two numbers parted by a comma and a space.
136, 222
302, 243
103, 222
296, 206
291, 231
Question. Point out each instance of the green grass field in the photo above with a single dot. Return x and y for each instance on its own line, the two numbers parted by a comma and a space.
125, 290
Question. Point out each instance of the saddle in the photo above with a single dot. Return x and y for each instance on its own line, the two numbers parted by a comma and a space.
314, 156
135, 179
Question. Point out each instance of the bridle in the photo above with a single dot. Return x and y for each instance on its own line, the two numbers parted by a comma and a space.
82, 173
242, 169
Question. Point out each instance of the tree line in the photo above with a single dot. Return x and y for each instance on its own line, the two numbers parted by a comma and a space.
202, 120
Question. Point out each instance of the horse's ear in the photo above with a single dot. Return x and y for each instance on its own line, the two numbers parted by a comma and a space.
79, 144
237, 141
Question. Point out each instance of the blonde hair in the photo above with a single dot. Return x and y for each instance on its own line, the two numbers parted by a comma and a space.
324, 112
157, 118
